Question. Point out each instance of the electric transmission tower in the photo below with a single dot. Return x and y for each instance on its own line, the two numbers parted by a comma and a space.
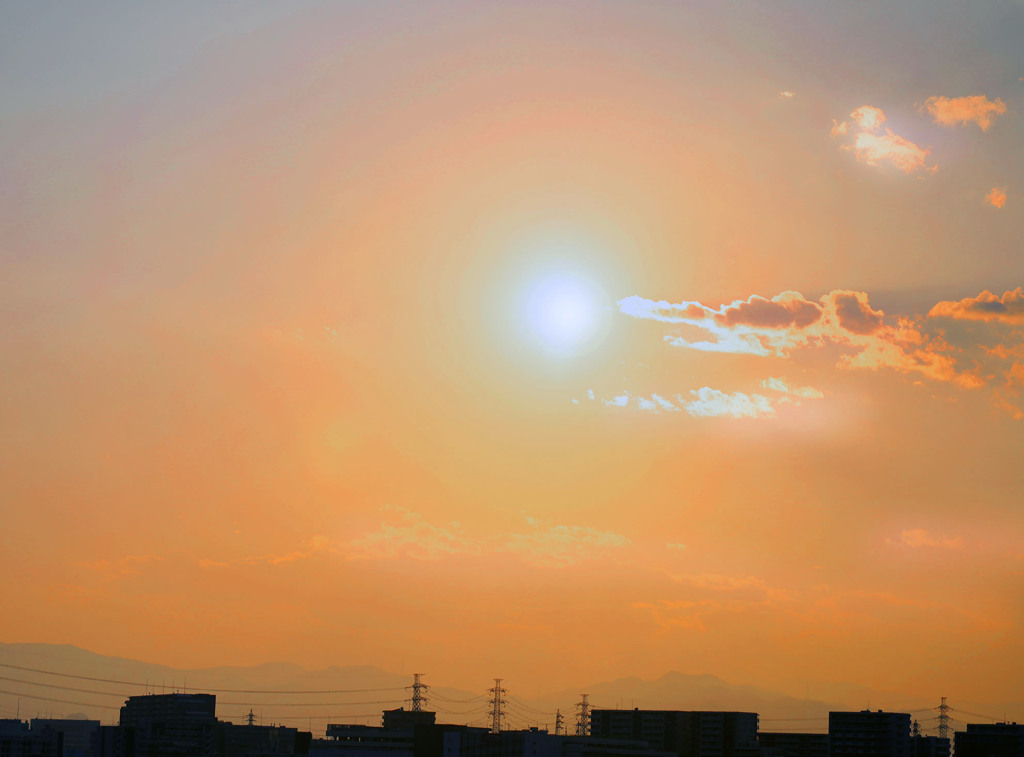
497, 701
559, 723
251, 717
915, 729
419, 695
944, 719
583, 717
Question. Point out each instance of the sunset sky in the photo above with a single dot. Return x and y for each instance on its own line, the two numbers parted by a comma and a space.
552, 341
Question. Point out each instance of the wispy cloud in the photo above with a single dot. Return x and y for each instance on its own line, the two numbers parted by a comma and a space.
976, 109
410, 536
563, 545
711, 403
916, 538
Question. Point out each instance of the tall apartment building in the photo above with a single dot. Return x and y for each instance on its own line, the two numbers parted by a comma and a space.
170, 725
683, 733
869, 734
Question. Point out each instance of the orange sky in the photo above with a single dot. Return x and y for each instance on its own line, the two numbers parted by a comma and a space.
579, 341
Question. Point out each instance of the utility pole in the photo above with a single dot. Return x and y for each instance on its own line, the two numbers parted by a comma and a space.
497, 700
419, 697
944, 719
583, 717
559, 723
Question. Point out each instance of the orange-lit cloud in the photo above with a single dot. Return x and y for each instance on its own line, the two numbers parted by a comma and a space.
756, 326
996, 198
868, 117
985, 307
874, 148
787, 93
854, 313
789, 321
976, 109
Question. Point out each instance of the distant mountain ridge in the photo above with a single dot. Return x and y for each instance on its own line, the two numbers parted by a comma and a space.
96, 685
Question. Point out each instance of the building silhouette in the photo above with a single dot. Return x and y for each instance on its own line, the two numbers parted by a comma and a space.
990, 740
929, 746
681, 733
793, 744
77, 735
17, 739
874, 733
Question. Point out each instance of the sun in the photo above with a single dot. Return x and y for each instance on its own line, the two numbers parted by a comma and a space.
563, 313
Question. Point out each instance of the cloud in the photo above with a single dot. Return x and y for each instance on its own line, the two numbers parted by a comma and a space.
854, 312
996, 198
985, 307
666, 312
754, 326
788, 321
781, 311
780, 385
868, 117
560, 546
873, 148
915, 538
412, 537
977, 109
709, 403
787, 93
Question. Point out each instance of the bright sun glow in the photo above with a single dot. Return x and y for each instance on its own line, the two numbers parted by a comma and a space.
563, 312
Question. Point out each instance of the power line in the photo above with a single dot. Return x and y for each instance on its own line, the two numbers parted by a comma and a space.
64, 688
477, 698
975, 714
205, 688
313, 704
59, 701
525, 706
